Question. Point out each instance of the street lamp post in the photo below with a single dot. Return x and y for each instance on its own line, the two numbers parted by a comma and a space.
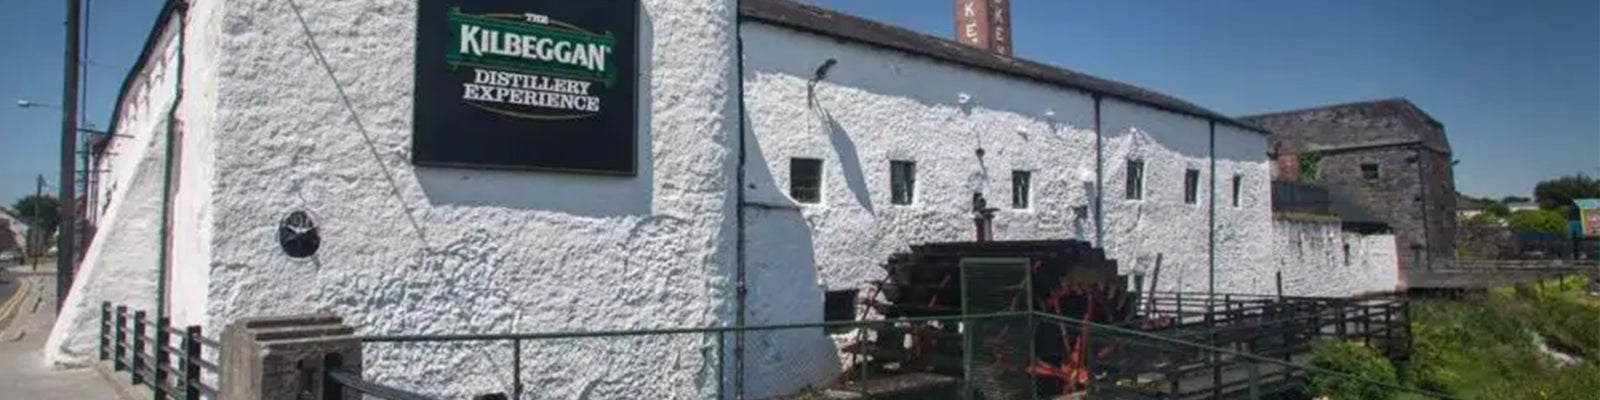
35, 104
36, 237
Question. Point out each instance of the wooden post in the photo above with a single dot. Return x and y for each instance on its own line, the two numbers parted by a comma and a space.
120, 347
190, 364
138, 348
157, 390
105, 331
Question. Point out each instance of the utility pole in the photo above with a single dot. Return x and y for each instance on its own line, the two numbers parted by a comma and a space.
35, 234
65, 265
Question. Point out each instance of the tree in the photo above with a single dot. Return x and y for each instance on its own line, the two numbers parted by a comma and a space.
1483, 237
40, 213
1497, 209
1539, 222
1557, 194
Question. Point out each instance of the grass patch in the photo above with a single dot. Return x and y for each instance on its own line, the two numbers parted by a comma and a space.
1483, 349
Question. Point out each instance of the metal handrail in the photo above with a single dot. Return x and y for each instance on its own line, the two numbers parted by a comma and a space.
677, 331
347, 380
1247, 356
167, 359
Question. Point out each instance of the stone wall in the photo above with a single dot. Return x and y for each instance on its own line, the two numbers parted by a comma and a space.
314, 114
1316, 258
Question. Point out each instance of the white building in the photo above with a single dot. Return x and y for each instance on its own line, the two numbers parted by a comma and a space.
243, 112
13, 228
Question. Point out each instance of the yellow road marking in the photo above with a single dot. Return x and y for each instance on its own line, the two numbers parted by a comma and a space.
16, 298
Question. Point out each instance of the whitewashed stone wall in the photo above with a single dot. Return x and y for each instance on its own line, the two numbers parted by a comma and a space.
1319, 259
121, 264
434, 250
876, 106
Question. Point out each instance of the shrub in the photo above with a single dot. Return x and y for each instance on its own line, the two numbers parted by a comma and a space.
1355, 359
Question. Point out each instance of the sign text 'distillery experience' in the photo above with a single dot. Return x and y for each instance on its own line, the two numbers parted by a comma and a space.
527, 84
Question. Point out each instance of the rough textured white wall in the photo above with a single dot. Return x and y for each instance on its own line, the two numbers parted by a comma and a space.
1244, 232
878, 106
434, 250
121, 263
194, 172
1160, 222
1377, 256
1314, 261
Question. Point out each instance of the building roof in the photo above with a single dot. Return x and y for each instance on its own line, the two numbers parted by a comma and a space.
821, 21
1371, 123
1392, 105
1465, 202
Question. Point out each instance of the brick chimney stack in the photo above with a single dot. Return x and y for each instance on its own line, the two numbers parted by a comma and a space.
985, 24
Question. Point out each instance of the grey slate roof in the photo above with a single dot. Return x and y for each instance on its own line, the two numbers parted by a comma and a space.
821, 21
1371, 123
1389, 106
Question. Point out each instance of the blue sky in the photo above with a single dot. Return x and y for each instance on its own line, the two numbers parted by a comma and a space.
1516, 83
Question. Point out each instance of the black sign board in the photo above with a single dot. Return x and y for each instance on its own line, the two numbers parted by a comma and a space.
527, 84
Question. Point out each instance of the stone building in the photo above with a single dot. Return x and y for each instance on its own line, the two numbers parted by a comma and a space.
1388, 154
703, 163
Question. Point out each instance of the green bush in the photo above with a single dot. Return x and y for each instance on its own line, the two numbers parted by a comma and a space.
1355, 359
1539, 221
1483, 348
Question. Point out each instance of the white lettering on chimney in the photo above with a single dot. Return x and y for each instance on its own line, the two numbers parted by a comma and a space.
971, 28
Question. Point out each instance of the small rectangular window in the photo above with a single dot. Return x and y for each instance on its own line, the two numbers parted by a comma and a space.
1191, 186
902, 181
1238, 183
805, 180
1134, 190
1369, 171
1021, 188
839, 305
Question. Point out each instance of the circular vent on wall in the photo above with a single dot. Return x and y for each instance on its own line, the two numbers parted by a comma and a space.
297, 235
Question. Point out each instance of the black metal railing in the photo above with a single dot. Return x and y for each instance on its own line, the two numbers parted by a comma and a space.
340, 383
1209, 347
1277, 327
169, 360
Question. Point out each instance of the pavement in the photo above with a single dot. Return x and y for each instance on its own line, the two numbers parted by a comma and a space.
24, 375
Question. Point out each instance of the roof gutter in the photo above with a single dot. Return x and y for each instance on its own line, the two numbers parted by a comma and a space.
922, 53
134, 72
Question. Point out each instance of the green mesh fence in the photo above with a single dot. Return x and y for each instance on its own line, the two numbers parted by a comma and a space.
1000, 349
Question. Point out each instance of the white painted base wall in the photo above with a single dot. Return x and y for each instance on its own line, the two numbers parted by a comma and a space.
122, 262
1313, 260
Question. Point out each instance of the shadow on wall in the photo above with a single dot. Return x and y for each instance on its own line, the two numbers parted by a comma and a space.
577, 194
849, 159
781, 275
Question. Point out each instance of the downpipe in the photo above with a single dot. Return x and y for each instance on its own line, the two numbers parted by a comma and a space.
164, 255
740, 289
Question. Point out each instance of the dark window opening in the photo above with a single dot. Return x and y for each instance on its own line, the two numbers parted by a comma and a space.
839, 305
1369, 171
1238, 183
902, 181
1346, 254
1191, 186
1021, 188
1134, 188
805, 180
